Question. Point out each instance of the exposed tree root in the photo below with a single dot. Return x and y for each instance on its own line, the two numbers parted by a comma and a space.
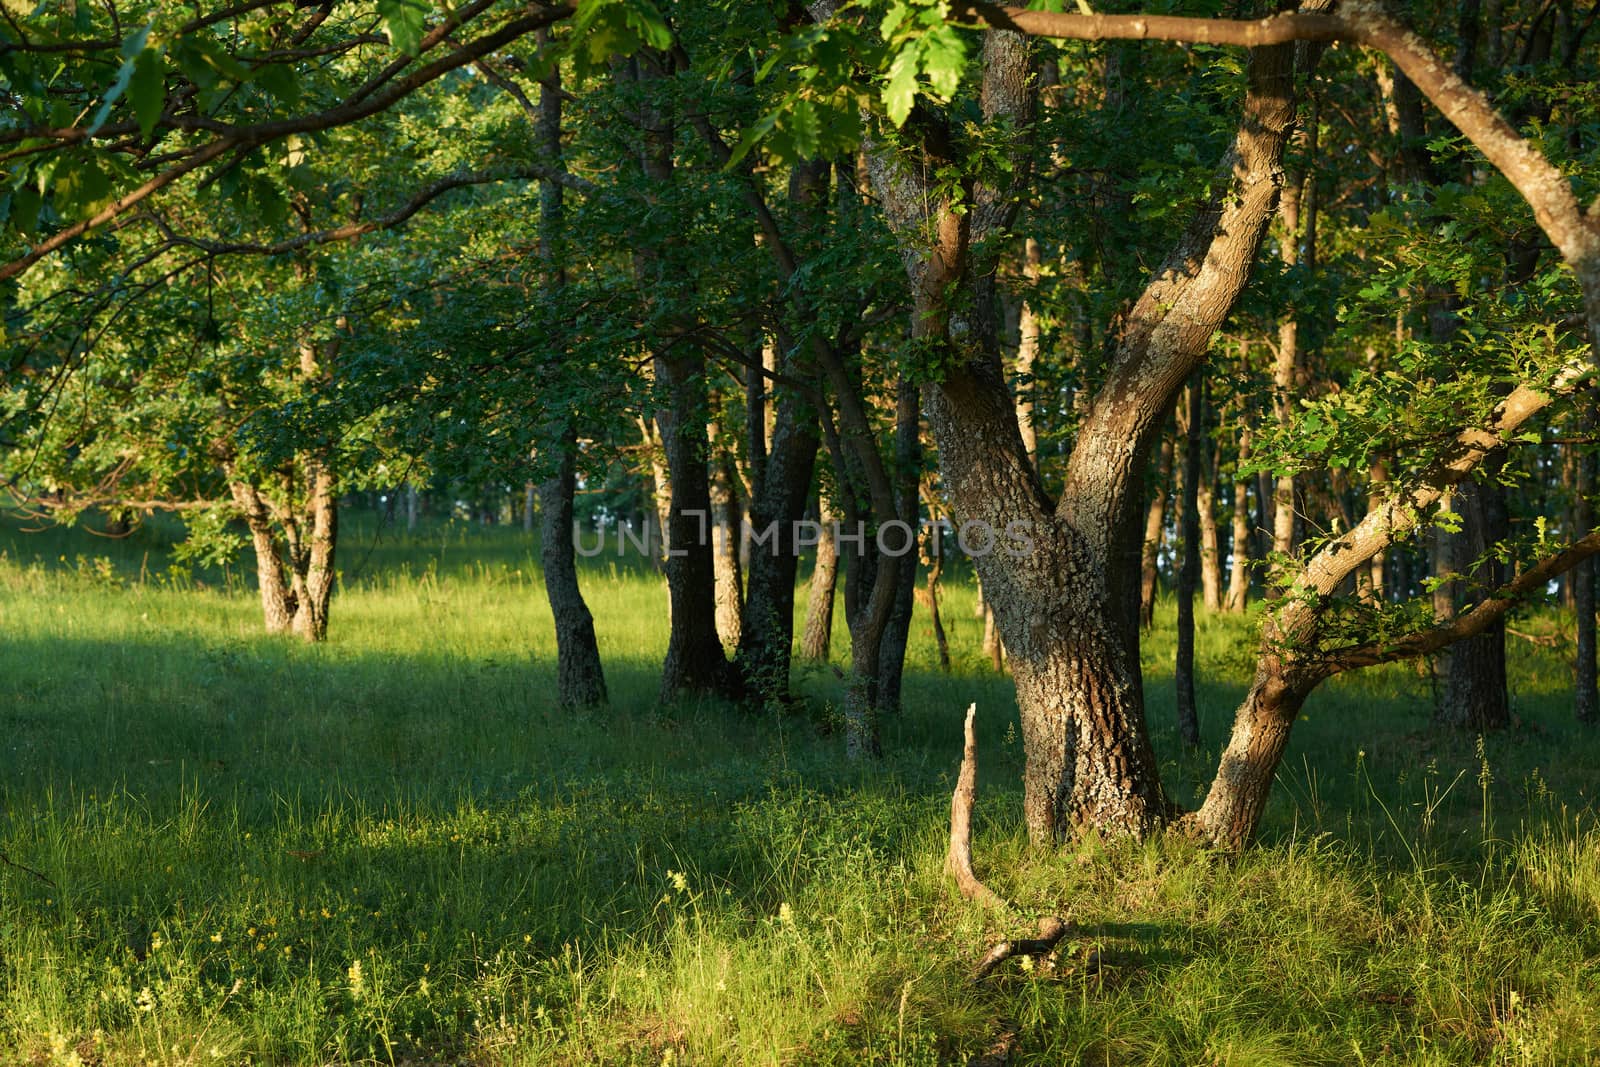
1051, 931
959, 863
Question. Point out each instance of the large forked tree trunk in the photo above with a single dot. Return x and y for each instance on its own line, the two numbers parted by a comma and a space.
580, 679
1064, 582
1294, 625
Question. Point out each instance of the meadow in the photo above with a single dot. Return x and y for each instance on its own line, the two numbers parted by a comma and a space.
223, 848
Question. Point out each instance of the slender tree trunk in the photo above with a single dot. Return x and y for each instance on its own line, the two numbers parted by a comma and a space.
313, 574
695, 661
1377, 478
277, 606
816, 644
993, 649
1441, 567
660, 495
908, 475
783, 448
1210, 540
1586, 695
1239, 568
767, 642
411, 506
727, 516
1189, 571
1155, 523
1028, 353
932, 555
580, 678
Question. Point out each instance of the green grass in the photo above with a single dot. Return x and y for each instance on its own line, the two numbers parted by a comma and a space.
394, 848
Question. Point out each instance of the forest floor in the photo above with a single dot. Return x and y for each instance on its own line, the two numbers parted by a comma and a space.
222, 848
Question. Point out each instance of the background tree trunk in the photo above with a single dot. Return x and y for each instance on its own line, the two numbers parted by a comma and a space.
580, 678
1239, 567
1474, 695
1210, 541
908, 478
313, 573
1189, 572
277, 608
727, 516
816, 644
695, 661
1155, 524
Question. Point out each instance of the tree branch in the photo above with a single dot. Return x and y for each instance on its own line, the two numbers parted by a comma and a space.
1468, 623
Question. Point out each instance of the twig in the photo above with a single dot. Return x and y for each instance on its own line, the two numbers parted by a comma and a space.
9, 862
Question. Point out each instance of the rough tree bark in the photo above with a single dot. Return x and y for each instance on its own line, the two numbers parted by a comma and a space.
294, 532
789, 453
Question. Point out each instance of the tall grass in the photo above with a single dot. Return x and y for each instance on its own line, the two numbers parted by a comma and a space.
394, 848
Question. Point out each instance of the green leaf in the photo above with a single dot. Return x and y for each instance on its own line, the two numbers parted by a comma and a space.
900, 91
147, 90
25, 204
804, 126
81, 187
131, 49
403, 21
944, 59
753, 136
279, 80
